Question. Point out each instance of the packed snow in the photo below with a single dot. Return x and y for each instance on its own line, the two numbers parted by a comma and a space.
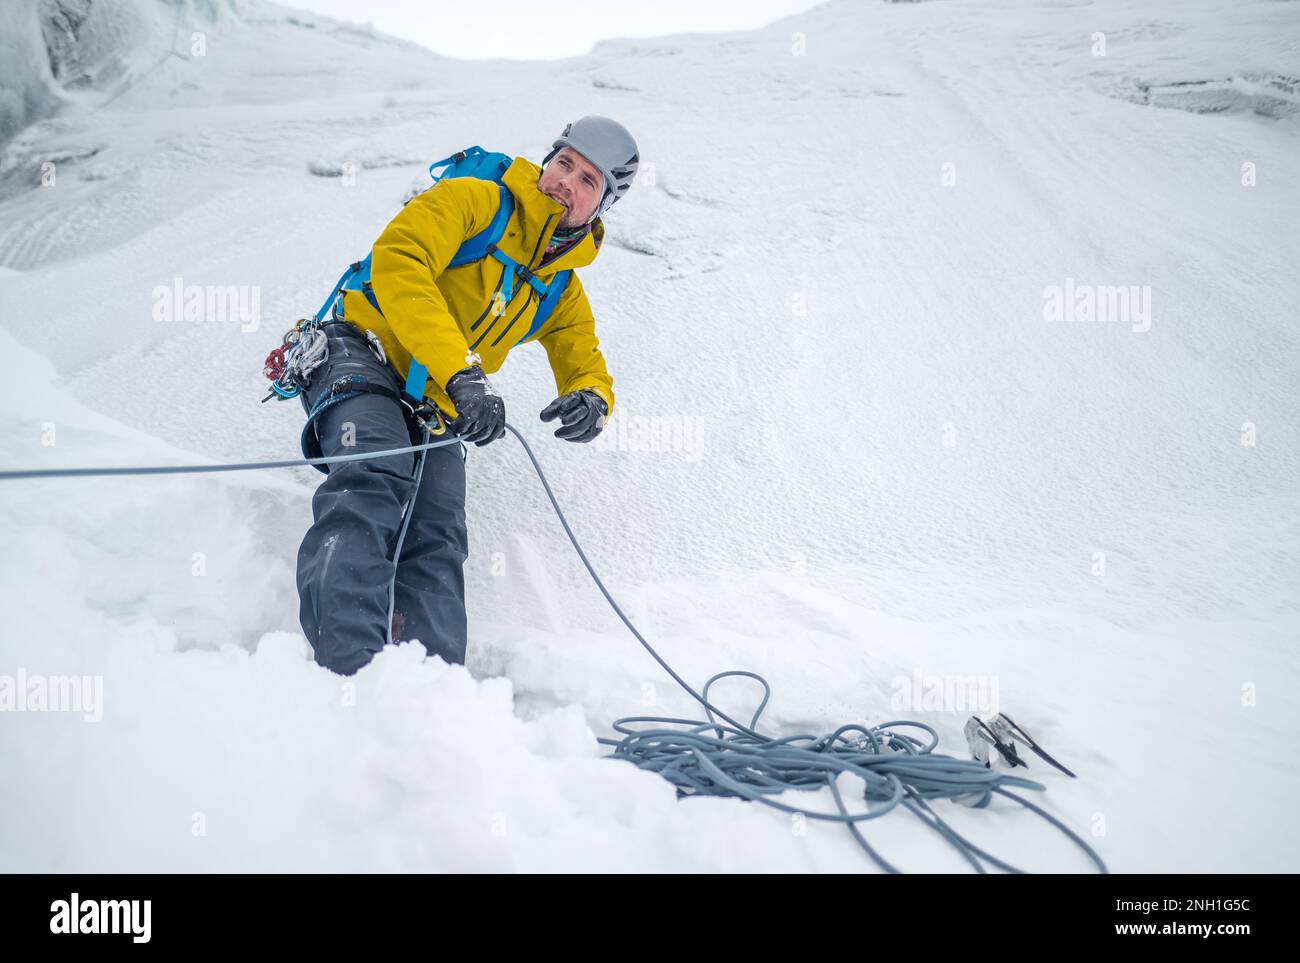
851, 452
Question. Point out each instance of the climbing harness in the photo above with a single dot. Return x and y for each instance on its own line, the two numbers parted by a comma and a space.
708, 758
422, 417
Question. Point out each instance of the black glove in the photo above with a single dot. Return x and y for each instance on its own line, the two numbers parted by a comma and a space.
480, 411
583, 413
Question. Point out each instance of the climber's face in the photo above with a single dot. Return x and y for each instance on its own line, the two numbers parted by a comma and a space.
576, 183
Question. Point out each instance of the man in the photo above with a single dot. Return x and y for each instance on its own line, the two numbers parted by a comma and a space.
459, 324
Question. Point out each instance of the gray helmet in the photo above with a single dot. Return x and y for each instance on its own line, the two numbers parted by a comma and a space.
608, 145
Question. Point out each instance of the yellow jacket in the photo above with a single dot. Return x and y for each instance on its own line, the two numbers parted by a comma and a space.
443, 316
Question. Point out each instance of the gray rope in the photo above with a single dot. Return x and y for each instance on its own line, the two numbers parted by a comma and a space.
233, 466
407, 512
707, 758
739, 761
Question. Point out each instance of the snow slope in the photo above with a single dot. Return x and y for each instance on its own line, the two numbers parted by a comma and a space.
897, 465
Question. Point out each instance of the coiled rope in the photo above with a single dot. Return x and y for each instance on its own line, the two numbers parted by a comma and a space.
708, 758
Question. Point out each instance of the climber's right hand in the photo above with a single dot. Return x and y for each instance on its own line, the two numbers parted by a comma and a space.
480, 411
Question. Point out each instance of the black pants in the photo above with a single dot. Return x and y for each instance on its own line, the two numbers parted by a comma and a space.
346, 561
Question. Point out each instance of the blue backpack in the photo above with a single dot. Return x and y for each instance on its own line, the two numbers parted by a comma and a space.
472, 162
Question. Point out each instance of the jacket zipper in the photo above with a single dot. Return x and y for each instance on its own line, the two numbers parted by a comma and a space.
547, 231
491, 300
488, 330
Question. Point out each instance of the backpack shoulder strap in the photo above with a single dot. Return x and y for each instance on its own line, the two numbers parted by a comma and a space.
357, 276
554, 292
477, 247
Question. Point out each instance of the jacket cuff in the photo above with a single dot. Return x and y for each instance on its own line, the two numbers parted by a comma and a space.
442, 368
604, 393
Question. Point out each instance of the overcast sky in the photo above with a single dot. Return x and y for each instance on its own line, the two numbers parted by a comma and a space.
547, 29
